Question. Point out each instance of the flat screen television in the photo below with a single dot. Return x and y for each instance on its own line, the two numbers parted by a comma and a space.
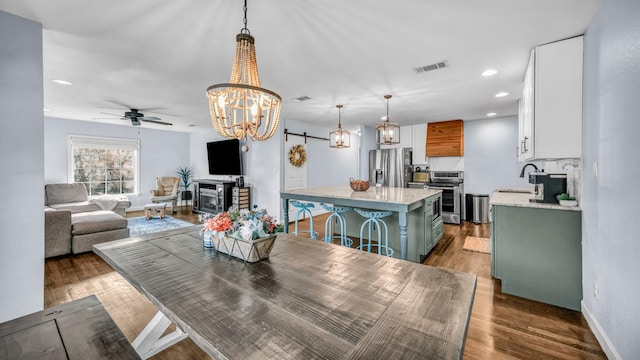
224, 157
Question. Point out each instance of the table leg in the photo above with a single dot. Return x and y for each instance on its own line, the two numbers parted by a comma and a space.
150, 340
404, 235
285, 208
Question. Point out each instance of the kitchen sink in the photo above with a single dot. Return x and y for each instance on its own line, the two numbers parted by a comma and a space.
516, 191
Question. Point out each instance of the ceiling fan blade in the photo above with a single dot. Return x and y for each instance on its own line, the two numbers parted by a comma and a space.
151, 118
156, 121
106, 113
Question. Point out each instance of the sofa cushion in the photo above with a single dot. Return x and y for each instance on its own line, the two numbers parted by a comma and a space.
76, 207
64, 193
96, 221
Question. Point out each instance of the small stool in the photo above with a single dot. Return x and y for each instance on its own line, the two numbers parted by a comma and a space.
304, 208
374, 218
336, 212
150, 209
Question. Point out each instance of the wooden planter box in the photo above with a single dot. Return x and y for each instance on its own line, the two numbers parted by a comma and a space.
247, 251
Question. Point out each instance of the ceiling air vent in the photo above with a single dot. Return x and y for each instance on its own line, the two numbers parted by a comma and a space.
421, 69
302, 98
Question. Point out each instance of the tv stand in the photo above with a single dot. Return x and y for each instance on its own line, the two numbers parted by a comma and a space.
212, 196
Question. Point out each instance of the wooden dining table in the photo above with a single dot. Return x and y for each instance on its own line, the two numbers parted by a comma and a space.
308, 300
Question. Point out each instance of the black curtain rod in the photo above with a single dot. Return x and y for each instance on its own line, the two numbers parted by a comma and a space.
287, 133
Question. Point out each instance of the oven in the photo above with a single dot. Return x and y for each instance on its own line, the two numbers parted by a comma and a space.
451, 184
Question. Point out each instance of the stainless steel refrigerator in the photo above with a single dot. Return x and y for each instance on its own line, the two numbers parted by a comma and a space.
390, 167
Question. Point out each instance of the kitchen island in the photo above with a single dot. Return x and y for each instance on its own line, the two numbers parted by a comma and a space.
536, 249
411, 227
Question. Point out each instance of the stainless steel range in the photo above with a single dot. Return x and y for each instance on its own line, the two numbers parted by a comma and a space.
450, 182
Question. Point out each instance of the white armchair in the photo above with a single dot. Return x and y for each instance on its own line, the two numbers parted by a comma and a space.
167, 191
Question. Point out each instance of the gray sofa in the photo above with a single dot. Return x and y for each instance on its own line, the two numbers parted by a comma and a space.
73, 222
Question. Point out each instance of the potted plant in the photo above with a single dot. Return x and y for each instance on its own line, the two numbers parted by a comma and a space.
185, 178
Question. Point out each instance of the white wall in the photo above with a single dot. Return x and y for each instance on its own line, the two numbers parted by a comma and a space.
22, 160
326, 166
610, 245
261, 166
490, 159
161, 152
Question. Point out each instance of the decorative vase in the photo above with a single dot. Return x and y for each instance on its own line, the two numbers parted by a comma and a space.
246, 250
207, 239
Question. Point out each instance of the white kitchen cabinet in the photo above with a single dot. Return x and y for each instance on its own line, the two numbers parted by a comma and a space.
550, 116
419, 136
405, 139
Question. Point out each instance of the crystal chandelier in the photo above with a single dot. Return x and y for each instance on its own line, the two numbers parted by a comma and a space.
241, 108
387, 133
339, 138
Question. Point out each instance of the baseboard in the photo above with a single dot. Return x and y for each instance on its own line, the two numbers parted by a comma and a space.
598, 331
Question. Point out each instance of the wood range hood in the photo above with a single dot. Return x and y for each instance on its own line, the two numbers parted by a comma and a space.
445, 138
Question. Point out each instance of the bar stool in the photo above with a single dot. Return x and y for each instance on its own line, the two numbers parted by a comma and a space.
304, 208
374, 218
336, 213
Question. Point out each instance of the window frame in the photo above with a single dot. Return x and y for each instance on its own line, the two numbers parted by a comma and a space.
74, 141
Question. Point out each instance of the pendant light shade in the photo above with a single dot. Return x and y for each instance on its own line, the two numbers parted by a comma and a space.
241, 108
387, 132
339, 138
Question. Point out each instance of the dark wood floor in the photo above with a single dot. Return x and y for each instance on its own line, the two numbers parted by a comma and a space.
501, 326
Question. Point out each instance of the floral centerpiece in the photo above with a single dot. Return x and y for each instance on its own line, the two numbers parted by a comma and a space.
245, 234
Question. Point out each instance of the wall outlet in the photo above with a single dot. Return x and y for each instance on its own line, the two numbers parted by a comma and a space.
594, 169
596, 290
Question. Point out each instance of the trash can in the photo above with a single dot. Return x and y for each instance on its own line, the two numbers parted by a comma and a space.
477, 208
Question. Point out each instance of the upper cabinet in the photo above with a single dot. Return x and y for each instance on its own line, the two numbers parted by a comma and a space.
405, 139
550, 111
445, 138
419, 144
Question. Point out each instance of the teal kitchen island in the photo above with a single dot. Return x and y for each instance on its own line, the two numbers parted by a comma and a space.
413, 228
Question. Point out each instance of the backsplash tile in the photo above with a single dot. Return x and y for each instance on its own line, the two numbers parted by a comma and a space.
573, 169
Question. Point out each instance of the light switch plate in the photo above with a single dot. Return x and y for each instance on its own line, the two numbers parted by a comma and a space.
594, 169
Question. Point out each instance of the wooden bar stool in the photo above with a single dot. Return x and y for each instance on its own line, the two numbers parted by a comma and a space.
374, 221
304, 208
336, 216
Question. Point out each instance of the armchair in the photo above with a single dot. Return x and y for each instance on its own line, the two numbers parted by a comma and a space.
167, 191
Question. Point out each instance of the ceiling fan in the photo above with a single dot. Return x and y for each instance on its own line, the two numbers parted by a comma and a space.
136, 117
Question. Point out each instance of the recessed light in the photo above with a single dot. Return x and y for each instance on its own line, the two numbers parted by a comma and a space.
492, 114
489, 72
61, 82
192, 125
502, 94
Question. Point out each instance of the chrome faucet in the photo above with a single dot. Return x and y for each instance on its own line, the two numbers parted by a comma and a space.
524, 167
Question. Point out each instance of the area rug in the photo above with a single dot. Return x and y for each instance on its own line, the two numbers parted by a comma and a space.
141, 226
477, 244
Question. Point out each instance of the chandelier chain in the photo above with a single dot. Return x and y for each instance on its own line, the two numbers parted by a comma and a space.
245, 30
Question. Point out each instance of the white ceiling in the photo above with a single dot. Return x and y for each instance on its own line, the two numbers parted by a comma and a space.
160, 56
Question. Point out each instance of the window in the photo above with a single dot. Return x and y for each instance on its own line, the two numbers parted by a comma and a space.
104, 165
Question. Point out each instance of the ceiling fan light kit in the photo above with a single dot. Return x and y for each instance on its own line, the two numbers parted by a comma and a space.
387, 132
339, 138
241, 108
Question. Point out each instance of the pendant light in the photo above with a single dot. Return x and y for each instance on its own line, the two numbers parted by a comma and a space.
387, 132
339, 138
241, 108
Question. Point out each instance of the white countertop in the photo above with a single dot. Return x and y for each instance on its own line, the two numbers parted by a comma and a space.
376, 194
511, 197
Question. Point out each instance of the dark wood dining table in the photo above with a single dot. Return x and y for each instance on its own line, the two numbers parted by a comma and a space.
309, 300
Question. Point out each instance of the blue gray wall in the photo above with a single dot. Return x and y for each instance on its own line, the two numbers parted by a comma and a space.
490, 159
161, 152
611, 248
22, 162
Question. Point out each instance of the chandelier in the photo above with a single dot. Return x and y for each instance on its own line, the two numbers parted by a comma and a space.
387, 133
339, 138
241, 108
